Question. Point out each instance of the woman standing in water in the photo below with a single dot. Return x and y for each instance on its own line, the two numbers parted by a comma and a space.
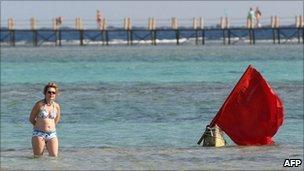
44, 116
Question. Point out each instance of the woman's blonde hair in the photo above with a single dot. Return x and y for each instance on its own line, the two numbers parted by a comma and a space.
51, 85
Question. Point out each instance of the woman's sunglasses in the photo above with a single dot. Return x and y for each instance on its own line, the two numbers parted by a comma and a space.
51, 92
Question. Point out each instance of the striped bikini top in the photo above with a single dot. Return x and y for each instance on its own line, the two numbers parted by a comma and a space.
43, 114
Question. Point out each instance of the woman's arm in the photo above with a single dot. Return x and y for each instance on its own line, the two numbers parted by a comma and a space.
34, 113
58, 114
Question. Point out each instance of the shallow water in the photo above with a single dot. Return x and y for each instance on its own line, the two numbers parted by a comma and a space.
151, 158
144, 107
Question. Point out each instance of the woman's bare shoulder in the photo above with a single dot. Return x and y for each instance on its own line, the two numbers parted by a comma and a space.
57, 105
39, 103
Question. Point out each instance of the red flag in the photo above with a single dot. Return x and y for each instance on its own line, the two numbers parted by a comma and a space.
252, 113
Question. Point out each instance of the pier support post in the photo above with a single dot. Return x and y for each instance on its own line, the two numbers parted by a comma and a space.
278, 34
196, 36
153, 37
102, 37
35, 38
299, 37
12, 38
303, 35
10, 25
203, 36
249, 32
273, 35
177, 36
222, 24
174, 26
107, 37
59, 36
276, 25
79, 28
229, 35
33, 23
152, 28
224, 36
301, 17
81, 37
225, 24
253, 36
56, 37
200, 27
298, 25
56, 28
196, 26
272, 23
128, 28
129, 37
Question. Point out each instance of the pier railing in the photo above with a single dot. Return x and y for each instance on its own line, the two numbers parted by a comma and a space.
134, 32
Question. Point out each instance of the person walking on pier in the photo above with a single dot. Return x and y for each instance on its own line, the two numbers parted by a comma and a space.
258, 15
58, 21
250, 18
99, 19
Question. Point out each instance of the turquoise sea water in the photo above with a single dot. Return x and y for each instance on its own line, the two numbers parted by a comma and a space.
144, 107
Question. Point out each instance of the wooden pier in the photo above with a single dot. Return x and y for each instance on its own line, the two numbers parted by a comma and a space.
200, 34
